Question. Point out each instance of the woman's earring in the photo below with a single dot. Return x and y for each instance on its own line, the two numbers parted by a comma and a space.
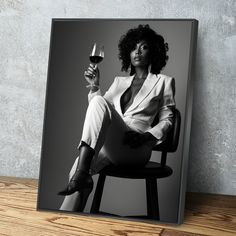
149, 68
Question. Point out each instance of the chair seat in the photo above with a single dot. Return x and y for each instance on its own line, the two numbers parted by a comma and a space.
150, 170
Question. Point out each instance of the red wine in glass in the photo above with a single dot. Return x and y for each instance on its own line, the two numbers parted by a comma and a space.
97, 53
95, 59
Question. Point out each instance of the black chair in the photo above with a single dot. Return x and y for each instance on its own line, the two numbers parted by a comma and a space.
151, 172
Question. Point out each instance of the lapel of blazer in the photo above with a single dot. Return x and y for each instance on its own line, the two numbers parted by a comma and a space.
146, 88
125, 84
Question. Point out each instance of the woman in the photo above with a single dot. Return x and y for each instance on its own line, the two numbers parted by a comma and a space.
118, 126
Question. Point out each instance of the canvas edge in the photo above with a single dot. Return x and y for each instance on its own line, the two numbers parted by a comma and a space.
45, 116
188, 121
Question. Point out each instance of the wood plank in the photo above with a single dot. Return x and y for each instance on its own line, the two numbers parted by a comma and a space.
209, 214
170, 232
213, 212
206, 214
18, 216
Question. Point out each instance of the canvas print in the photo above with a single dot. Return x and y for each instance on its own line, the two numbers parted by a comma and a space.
117, 118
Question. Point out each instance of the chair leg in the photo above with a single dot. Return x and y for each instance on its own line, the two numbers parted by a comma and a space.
152, 199
98, 194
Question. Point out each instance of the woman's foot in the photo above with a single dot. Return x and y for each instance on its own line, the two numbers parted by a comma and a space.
81, 181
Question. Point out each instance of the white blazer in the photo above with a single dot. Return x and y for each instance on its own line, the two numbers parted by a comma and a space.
156, 96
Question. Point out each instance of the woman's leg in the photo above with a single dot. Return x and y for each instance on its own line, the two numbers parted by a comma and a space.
104, 129
97, 120
81, 179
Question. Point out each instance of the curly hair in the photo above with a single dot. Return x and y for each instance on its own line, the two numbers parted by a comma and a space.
158, 48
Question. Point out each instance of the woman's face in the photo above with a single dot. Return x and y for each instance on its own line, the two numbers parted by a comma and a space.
139, 56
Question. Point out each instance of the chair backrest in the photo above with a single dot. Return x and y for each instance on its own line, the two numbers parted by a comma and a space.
172, 140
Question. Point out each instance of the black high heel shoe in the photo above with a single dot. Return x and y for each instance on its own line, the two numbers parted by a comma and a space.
81, 181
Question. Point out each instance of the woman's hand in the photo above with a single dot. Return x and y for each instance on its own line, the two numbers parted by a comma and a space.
92, 75
135, 139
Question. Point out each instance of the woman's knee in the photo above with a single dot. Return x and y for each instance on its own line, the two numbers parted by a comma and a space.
99, 103
98, 100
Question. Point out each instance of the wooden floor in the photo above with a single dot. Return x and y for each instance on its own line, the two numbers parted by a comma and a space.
205, 215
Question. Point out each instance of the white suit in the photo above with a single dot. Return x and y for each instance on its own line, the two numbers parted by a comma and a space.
105, 123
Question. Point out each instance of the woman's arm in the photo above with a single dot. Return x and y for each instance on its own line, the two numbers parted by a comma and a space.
165, 113
135, 139
92, 76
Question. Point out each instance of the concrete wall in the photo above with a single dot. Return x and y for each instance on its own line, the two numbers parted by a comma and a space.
24, 43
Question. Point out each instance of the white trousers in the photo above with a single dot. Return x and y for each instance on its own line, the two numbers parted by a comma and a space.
104, 131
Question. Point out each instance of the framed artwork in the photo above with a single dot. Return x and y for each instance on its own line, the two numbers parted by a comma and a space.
117, 118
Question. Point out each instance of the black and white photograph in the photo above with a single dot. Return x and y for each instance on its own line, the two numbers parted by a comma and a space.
117, 118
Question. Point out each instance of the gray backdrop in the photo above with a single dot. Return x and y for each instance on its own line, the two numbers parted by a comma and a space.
24, 39
67, 102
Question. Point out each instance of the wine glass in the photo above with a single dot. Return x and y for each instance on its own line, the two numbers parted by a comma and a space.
97, 53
